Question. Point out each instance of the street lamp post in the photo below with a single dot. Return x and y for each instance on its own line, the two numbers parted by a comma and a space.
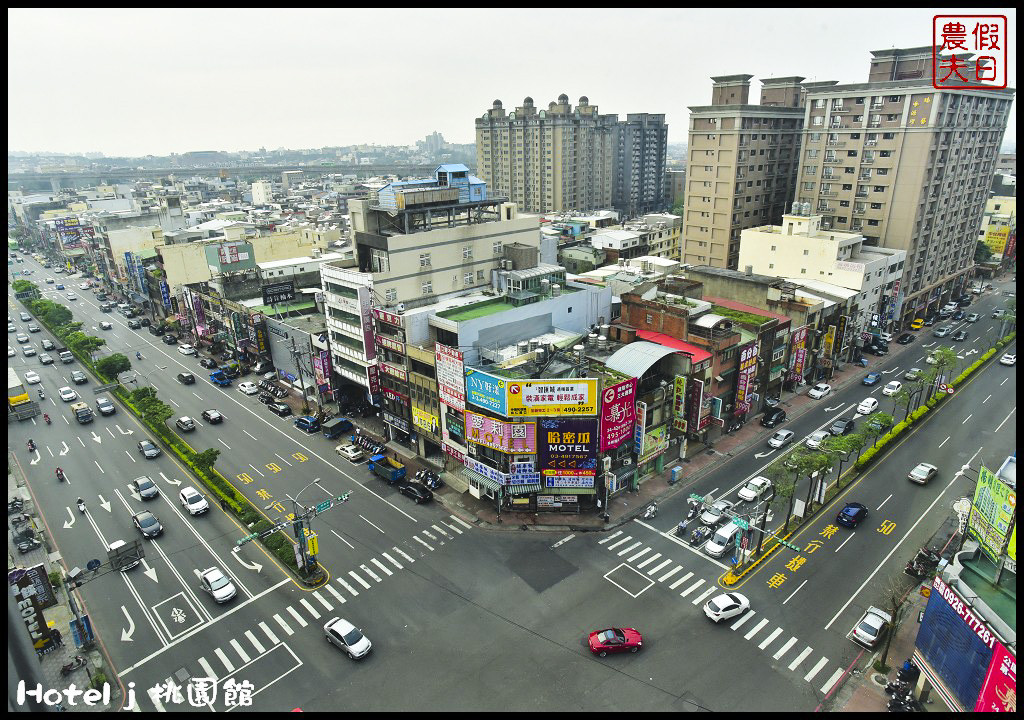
300, 535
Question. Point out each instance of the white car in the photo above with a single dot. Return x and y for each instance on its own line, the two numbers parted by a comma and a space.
755, 488
723, 607
872, 627
819, 391
249, 388
912, 374
350, 451
1008, 359
780, 439
67, 394
931, 359
32, 377
71, 296
192, 501
814, 439
922, 473
886, 336
346, 636
891, 388
104, 325
867, 406
186, 350
214, 581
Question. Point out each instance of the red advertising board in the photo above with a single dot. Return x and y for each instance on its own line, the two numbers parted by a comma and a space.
999, 691
618, 413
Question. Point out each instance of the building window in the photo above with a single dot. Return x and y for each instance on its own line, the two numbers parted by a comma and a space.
467, 252
650, 318
479, 274
424, 259
391, 294
496, 248
467, 279
428, 288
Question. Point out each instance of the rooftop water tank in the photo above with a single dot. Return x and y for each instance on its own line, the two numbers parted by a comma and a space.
556, 290
592, 340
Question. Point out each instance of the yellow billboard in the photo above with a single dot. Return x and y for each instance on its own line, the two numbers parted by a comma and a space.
996, 238
576, 396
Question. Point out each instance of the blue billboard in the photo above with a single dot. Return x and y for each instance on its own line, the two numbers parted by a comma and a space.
486, 391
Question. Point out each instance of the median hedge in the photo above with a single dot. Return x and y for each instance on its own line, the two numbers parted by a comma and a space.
277, 543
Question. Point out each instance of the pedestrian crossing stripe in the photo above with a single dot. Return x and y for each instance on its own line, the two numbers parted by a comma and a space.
632, 558
743, 619
752, 633
816, 669
631, 548
422, 543
382, 566
697, 600
298, 618
800, 658
831, 682
461, 522
453, 528
207, 668
620, 542
371, 573
337, 595
284, 626
238, 649
255, 643
359, 580
441, 531
270, 635
223, 659
784, 649
427, 533
687, 591
399, 551
393, 561
348, 587
309, 606
768, 640
681, 580
658, 567
327, 606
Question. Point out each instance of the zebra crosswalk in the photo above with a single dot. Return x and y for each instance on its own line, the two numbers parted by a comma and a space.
756, 629
267, 635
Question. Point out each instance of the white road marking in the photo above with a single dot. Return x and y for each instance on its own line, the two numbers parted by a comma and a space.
256, 470
382, 566
680, 581
371, 573
462, 522
684, 593
366, 585
309, 607
241, 653
427, 533
884, 502
794, 593
800, 658
830, 683
421, 542
250, 435
337, 595
648, 561
223, 659
843, 543
742, 621
347, 586
255, 643
399, 551
659, 566
320, 599
631, 548
456, 530
298, 618
670, 573
270, 635
967, 418
768, 640
614, 535
441, 531
284, 625
226, 445
207, 668
755, 629
640, 554
816, 669
944, 441
154, 696
392, 561
700, 598
784, 649
368, 522
283, 460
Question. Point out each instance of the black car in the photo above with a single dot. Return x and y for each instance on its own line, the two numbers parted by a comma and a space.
876, 349
148, 449
960, 335
842, 426
145, 487
930, 320
958, 315
851, 515
134, 324
79, 377
265, 397
170, 340
773, 417
147, 523
905, 339
418, 492
157, 330
106, 307
186, 378
280, 409
213, 416
208, 363
145, 322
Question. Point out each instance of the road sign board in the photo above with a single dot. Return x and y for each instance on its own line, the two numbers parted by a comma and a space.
103, 388
325, 505
949, 389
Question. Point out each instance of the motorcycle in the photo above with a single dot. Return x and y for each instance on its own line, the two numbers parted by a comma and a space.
651, 511
77, 662
46, 419
897, 687
31, 446
692, 512
81, 505
926, 557
699, 535
909, 672
138, 356
681, 529
28, 545
20, 519
42, 395
60, 475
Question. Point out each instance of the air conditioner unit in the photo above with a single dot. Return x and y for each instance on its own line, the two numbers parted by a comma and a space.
627, 461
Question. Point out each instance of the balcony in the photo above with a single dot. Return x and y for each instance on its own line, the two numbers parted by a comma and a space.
832, 160
836, 143
829, 194
868, 160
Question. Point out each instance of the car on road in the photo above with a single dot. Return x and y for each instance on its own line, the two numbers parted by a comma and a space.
105, 406
780, 439
49, 281
958, 315
755, 488
185, 423
78, 377
126, 564
169, 340
728, 605
208, 363
193, 501
25, 317
67, 394
872, 627
1008, 359
147, 523
871, 378
998, 313
973, 318
922, 473
905, 339
186, 350
917, 324
417, 491
145, 487
71, 296
32, 377
148, 449
216, 583
46, 359
841, 426
614, 640
60, 286
22, 338
815, 438
819, 391
716, 513
33, 328
773, 417
852, 515
213, 416
48, 344
932, 358
279, 409
186, 378
959, 336
867, 406
249, 388
134, 324
28, 351
346, 637
104, 325
892, 387
350, 451
307, 423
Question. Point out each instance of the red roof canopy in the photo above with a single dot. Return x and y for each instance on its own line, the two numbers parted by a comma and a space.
696, 353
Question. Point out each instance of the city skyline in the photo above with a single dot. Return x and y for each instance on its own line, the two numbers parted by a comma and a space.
307, 89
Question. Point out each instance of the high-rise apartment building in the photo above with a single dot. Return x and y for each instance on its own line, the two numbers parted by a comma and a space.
639, 166
906, 165
573, 159
741, 165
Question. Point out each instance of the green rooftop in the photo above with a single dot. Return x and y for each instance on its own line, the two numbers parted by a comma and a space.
476, 310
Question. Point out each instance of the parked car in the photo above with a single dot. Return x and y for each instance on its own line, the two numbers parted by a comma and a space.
346, 637
307, 423
169, 340
922, 473
872, 627
249, 388
134, 324
942, 331
614, 640
350, 451
892, 387
819, 391
871, 378
852, 515
208, 363
728, 605
905, 339
867, 406
417, 491
917, 324
186, 349
780, 439
773, 417
280, 409
841, 426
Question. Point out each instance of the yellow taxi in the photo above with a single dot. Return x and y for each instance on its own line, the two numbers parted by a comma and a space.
917, 324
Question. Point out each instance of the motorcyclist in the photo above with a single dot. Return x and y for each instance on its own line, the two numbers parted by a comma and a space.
138, 355
46, 418
31, 445
60, 473
81, 504
41, 395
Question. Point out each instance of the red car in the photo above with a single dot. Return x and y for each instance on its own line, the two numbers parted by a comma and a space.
615, 640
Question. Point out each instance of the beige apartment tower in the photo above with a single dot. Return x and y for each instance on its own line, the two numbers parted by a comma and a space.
741, 165
906, 165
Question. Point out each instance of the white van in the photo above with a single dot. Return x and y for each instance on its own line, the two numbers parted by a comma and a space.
723, 540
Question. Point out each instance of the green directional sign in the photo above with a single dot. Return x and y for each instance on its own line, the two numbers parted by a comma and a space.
325, 505
698, 498
791, 546
741, 524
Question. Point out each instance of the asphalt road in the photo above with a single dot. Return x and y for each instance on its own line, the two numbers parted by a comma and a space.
464, 618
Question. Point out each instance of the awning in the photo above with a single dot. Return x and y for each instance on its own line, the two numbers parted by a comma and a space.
569, 491
697, 354
523, 489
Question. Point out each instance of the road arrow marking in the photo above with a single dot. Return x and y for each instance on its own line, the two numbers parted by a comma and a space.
126, 635
104, 504
830, 409
970, 352
763, 455
149, 572
887, 372
255, 566
170, 482
125, 432
68, 524
96, 437
34, 462
931, 344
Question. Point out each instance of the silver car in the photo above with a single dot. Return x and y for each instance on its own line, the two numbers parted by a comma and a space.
346, 636
780, 439
922, 473
716, 513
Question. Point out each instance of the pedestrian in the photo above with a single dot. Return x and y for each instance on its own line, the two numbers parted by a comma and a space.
57, 638
224, 504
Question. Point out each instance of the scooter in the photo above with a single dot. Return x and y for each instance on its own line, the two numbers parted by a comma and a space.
46, 419
20, 519
692, 512
699, 535
60, 475
81, 506
909, 672
28, 545
681, 528
897, 688
31, 446
651, 511
14, 506
75, 664
927, 557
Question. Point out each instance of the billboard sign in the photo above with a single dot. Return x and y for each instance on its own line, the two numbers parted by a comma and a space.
567, 447
486, 391
278, 293
366, 313
502, 436
798, 353
747, 369
424, 420
992, 511
618, 413
654, 443
999, 691
451, 376
514, 478
528, 398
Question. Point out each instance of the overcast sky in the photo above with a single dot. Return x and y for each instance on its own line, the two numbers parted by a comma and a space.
138, 82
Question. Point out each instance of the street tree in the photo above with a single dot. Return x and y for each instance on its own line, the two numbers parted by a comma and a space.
840, 448
113, 365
